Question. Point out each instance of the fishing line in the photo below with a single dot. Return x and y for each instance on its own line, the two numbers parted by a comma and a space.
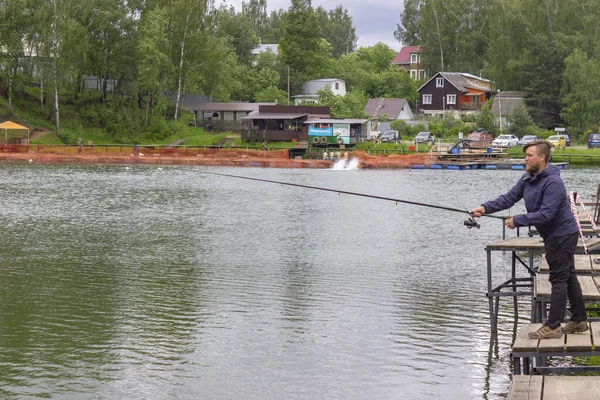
470, 223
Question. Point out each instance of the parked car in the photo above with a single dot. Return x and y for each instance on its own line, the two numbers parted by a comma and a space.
505, 141
558, 141
527, 138
563, 132
567, 139
479, 139
424, 137
390, 136
593, 140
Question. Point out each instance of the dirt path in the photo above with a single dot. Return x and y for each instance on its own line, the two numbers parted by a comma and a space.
38, 132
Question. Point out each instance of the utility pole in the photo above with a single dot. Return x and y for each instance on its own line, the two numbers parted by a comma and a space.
500, 109
288, 85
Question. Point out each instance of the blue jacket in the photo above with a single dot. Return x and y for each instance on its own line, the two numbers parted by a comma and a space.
546, 201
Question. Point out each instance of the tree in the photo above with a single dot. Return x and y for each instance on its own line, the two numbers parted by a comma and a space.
188, 29
154, 61
579, 92
256, 12
485, 118
519, 120
302, 47
337, 29
407, 32
239, 30
349, 106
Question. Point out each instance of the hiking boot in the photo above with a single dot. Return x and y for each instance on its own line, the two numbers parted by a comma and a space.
575, 327
545, 332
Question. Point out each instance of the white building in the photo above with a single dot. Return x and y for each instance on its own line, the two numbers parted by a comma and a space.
310, 90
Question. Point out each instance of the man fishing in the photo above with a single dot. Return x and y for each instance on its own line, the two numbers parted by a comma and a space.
549, 210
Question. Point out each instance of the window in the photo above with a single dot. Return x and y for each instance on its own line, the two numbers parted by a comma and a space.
414, 58
451, 99
337, 86
421, 74
426, 99
439, 82
413, 74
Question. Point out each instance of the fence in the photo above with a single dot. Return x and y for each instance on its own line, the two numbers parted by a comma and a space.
144, 151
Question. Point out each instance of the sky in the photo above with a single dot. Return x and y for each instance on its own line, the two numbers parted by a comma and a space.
374, 20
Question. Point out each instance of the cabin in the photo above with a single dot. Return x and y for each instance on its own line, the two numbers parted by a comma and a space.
280, 123
221, 117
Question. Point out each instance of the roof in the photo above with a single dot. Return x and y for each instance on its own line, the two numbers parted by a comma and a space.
326, 80
403, 57
305, 96
335, 121
274, 48
508, 100
459, 80
275, 116
391, 107
12, 125
228, 106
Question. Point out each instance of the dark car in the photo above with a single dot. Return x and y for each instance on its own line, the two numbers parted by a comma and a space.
479, 139
593, 140
526, 139
424, 137
390, 136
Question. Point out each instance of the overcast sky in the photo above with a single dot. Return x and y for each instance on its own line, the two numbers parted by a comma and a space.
374, 20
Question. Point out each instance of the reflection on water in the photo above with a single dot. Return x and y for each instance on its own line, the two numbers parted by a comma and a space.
142, 283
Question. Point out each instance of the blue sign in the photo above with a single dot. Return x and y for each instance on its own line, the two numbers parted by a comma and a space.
312, 131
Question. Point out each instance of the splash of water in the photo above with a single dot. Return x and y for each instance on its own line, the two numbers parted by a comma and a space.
346, 165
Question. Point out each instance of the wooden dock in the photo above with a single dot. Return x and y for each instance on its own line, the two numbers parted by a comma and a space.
529, 355
538, 387
534, 376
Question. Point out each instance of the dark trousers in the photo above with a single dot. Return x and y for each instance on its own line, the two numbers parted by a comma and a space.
559, 254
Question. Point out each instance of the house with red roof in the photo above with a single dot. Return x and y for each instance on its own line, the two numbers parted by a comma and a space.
409, 59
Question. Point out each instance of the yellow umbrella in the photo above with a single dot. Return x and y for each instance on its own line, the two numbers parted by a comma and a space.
9, 125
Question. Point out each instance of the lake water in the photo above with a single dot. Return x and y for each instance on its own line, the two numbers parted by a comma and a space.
142, 282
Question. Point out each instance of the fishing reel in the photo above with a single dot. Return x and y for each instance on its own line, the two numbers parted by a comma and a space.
471, 223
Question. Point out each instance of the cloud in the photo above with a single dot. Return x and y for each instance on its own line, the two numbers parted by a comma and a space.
374, 21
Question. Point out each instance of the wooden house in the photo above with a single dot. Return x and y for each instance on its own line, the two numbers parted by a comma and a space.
460, 92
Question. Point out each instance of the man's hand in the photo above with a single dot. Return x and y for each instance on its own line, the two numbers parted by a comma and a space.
509, 223
478, 212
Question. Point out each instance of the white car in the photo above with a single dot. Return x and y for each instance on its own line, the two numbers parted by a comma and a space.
505, 141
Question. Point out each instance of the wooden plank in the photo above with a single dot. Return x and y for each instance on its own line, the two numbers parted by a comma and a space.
552, 345
571, 387
583, 264
589, 288
522, 342
535, 387
526, 387
543, 288
595, 328
595, 265
590, 243
544, 267
579, 341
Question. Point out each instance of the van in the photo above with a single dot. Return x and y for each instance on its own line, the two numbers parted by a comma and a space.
593, 140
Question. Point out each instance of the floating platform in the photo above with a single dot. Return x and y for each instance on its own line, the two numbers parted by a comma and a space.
459, 164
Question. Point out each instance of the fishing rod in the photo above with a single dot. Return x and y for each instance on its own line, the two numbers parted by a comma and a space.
469, 223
